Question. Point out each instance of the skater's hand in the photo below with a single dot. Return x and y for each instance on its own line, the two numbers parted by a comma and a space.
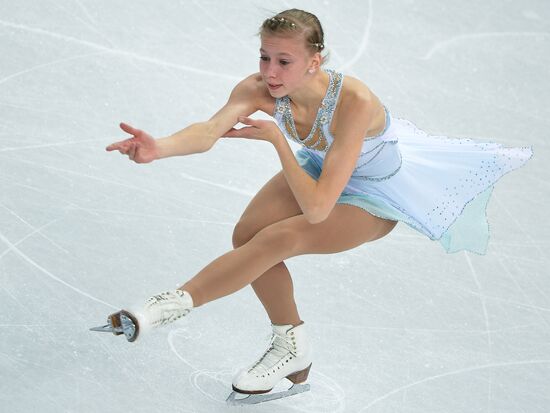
141, 148
259, 129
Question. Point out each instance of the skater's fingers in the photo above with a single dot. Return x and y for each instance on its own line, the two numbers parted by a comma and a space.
122, 146
234, 132
130, 129
246, 132
114, 146
248, 121
132, 151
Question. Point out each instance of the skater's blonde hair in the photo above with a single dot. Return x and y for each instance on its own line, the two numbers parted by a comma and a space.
296, 22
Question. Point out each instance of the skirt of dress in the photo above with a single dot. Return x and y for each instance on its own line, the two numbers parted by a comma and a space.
441, 189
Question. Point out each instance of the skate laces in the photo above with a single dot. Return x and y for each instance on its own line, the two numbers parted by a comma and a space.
166, 307
279, 347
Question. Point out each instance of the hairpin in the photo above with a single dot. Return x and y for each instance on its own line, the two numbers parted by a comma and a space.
282, 20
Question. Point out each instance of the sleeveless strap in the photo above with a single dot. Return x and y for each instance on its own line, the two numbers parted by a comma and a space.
329, 102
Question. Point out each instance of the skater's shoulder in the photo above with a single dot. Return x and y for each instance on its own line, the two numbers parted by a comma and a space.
358, 109
252, 87
357, 101
356, 90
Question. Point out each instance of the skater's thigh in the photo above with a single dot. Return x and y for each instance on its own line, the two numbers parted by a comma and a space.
346, 227
273, 202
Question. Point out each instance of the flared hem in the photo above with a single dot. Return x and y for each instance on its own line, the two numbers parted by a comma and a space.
468, 230
452, 240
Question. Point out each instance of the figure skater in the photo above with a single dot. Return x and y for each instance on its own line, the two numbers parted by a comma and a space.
359, 171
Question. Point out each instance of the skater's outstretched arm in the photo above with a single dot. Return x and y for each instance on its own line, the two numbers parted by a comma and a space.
197, 137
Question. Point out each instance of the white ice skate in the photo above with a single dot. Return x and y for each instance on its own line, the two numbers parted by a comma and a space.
288, 356
158, 310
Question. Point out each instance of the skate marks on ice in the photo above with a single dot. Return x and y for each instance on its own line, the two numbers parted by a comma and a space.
181, 333
451, 373
215, 385
364, 41
25, 257
326, 395
477, 36
118, 52
230, 188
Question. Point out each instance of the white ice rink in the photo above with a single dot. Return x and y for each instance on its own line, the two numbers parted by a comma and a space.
397, 325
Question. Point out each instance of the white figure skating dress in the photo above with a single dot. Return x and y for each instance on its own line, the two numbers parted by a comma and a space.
437, 185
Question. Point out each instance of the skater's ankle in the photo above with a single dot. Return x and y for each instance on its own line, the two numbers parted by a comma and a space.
193, 293
293, 323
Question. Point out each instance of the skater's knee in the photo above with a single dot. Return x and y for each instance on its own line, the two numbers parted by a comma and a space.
278, 238
242, 233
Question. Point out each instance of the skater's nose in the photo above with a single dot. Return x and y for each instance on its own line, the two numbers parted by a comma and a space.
271, 70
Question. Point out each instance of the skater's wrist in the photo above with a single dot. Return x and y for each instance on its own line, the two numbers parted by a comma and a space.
278, 140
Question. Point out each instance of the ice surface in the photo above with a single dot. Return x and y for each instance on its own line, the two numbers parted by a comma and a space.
397, 325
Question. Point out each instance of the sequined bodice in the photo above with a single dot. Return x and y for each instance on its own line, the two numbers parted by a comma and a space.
319, 137
380, 157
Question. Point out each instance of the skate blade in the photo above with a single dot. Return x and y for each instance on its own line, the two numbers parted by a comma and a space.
108, 328
120, 323
260, 398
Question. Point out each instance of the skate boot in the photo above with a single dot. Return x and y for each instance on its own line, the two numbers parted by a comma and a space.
158, 310
288, 356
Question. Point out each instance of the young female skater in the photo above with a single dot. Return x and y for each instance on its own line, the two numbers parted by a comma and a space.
358, 173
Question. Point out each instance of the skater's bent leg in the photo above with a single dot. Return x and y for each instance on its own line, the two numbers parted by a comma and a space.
346, 227
275, 290
274, 202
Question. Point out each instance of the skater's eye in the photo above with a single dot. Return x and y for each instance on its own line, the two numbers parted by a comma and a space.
282, 62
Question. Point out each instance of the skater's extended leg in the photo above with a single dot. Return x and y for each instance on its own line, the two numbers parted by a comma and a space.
273, 202
241, 266
346, 227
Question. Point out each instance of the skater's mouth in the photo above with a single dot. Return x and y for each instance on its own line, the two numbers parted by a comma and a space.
273, 87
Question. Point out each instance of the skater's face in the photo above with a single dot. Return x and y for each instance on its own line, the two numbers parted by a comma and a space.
284, 63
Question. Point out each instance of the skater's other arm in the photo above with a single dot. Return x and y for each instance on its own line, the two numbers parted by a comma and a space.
201, 136
197, 137
354, 124
317, 198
